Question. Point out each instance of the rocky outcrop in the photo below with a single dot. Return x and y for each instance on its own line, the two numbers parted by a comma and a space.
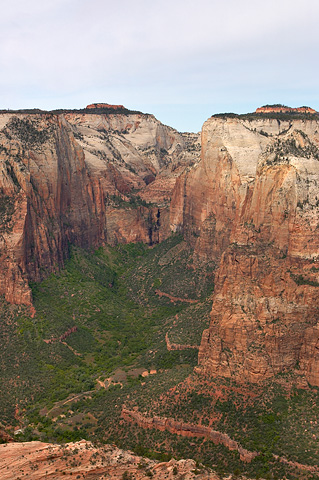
284, 109
208, 199
4, 436
83, 460
81, 178
94, 106
309, 354
251, 206
174, 299
187, 430
38, 460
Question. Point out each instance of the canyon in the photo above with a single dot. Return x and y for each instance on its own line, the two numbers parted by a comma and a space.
247, 205
72, 178
234, 209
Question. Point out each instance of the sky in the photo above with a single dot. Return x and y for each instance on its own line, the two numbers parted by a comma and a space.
180, 60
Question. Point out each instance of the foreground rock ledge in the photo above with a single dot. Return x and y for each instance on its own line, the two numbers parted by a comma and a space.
37, 461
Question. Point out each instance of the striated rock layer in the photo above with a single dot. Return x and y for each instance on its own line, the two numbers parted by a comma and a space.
38, 461
81, 178
251, 207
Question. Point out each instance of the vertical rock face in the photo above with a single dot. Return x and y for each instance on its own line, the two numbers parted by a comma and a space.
212, 194
81, 178
251, 205
53, 202
65, 205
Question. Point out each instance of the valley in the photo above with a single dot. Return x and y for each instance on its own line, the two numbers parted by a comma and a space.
159, 290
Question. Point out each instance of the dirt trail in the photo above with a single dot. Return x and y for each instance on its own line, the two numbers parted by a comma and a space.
175, 299
176, 346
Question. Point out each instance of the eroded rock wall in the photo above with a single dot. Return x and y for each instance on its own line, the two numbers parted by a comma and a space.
251, 207
81, 179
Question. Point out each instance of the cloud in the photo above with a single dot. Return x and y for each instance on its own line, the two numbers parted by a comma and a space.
157, 53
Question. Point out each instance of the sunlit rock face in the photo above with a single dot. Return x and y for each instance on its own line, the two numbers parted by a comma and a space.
251, 206
82, 178
38, 460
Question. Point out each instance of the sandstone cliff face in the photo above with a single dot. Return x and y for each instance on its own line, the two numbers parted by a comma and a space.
208, 200
83, 179
50, 196
93, 106
251, 206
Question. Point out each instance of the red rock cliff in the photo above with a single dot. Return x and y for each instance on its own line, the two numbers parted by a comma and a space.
81, 179
251, 206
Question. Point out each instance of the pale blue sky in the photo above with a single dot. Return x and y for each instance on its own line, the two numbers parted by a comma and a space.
180, 60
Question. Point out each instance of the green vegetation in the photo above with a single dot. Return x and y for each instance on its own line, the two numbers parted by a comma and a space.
291, 146
28, 132
271, 418
6, 212
118, 324
62, 383
287, 116
301, 280
130, 201
61, 111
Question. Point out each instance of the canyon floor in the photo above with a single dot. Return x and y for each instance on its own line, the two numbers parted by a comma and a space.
136, 349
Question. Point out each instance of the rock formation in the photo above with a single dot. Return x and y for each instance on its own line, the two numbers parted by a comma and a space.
37, 460
284, 109
81, 178
251, 206
187, 430
177, 346
94, 106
